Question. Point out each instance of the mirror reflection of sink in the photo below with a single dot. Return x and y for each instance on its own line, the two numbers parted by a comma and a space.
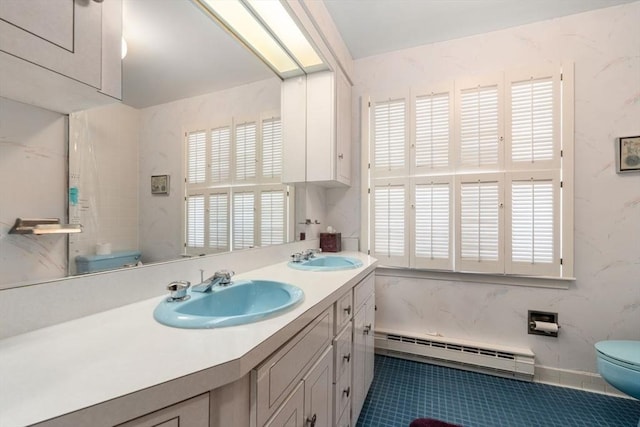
327, 263
244, 301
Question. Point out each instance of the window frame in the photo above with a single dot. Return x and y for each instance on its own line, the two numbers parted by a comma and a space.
563, 78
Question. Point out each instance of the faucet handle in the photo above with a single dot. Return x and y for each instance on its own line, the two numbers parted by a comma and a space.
296, 257
178, 290
224, 276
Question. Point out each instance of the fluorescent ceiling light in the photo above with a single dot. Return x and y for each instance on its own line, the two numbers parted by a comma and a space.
285, 29
265, 27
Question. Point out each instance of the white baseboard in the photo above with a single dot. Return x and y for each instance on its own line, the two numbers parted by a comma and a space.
580, 380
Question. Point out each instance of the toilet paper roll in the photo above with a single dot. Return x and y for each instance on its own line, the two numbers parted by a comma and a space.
546, 326
103, 249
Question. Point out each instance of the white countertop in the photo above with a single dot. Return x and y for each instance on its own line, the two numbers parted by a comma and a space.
71, 366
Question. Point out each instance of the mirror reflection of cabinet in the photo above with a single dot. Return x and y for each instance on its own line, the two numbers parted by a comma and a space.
324, 104
60, 54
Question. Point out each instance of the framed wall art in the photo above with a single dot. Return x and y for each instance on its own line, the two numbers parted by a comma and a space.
628, 154
160, 184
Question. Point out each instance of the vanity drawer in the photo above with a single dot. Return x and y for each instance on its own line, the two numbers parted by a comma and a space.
342, 346
363, 290
342, 392
345, 418
277, 376
344, 310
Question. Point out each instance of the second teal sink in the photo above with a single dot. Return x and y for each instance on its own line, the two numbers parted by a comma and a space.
242, 302
327, 263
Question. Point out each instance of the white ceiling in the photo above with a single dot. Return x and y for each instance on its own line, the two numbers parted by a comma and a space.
175, 51
371, 27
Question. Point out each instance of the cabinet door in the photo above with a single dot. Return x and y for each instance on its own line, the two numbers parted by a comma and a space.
318, 387
291, 413
190, 413
363, 355
294, 133
64, 36
343, 128
321, 136
369, 342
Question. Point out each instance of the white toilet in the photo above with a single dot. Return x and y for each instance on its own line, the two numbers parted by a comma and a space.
619, 365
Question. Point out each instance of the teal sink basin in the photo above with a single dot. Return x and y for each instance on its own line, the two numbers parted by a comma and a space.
327, 263
242, 302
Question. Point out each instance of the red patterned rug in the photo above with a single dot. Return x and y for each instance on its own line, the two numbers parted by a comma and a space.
431, 422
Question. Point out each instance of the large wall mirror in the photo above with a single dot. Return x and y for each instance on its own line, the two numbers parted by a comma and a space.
182, 75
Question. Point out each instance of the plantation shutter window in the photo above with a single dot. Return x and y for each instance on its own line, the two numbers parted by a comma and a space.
432, 224
533, 122
389, 137
432, 131
272, 217
195, 221
480, 222
243, 220
271, 148
196, 157
534, 217
473, 175
220, 159
390, 223
219, 222
479, 126
245, 140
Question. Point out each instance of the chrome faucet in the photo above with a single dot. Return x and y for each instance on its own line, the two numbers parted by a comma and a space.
178, 290
310, 253
222, 278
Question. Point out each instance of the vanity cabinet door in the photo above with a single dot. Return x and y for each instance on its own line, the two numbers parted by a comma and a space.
363, 352
63, 36
318, 388
291, 413
190, 413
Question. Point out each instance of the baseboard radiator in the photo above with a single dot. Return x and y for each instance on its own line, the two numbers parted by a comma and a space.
486, 358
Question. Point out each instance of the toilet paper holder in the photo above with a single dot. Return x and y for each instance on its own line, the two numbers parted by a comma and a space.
542, 323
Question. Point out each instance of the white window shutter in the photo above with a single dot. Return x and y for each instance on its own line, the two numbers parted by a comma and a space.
245, 152
195, 221
432, 131
243, 220
390, 220
533, 119
480, 124
431, 225
220, 157
272, 217
271, 148
219, 221
480, 223
534, 217
196, 157
389, 136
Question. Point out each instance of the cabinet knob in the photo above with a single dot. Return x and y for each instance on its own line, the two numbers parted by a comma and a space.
348, 310
347, 391
341, 156
367, 329
312, 421
347, 357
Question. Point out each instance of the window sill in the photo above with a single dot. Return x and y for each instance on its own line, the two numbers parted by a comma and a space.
496, 279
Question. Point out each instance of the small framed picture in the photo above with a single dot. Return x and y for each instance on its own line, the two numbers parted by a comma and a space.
160, 184
628, 154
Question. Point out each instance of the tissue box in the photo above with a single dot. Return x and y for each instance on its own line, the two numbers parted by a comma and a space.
331, 242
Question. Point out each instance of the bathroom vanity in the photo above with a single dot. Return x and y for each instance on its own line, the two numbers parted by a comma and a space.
310, 366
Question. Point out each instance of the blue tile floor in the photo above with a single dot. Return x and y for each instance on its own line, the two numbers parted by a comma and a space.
404, 390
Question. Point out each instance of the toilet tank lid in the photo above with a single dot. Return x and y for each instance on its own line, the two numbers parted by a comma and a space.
120, 254
625, 351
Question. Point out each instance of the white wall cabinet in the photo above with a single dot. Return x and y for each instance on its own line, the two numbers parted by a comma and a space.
190, 413
62, 55
363, 343
326, 136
